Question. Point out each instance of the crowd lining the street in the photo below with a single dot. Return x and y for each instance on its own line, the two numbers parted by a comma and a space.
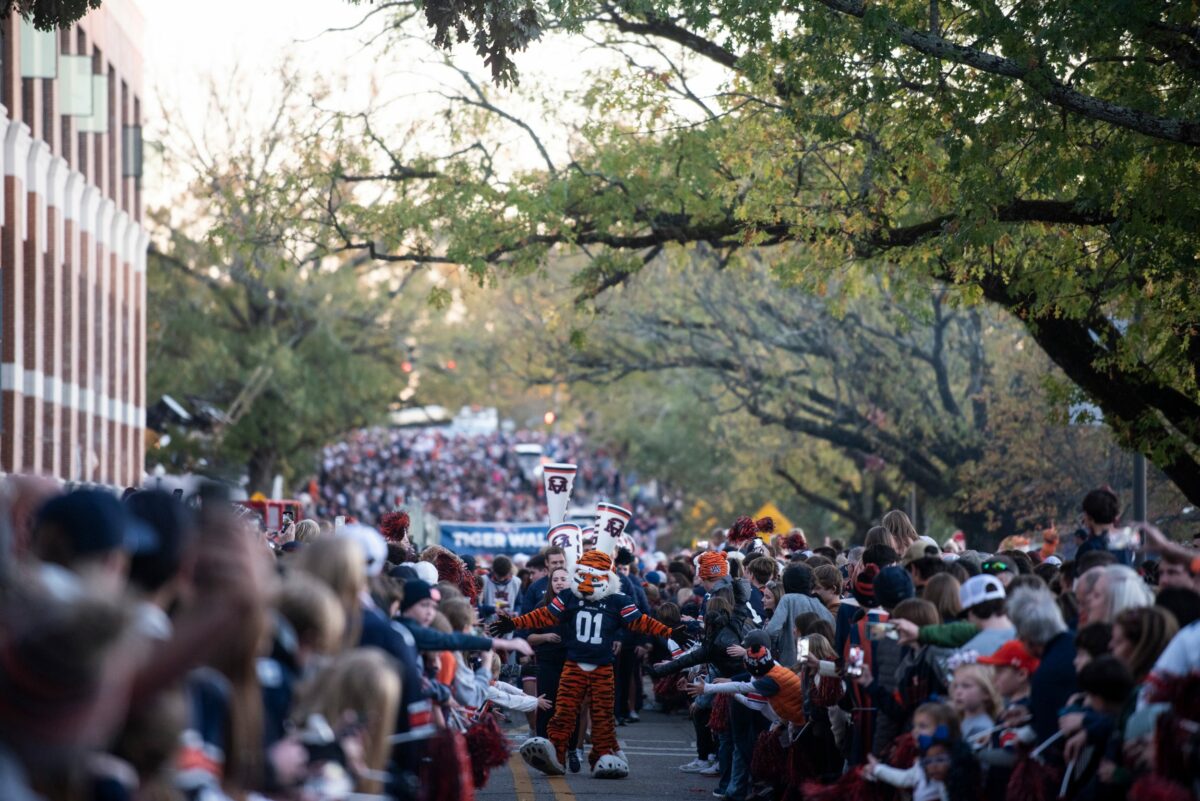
455, 476
156, 650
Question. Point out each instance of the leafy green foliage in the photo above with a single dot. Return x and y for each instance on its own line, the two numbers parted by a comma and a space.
1040, 156
252, 310
46, 15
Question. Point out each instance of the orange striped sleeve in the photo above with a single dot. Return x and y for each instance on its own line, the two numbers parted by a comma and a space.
540, 618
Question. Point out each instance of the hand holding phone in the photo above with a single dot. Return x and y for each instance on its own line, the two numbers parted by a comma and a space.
854, 665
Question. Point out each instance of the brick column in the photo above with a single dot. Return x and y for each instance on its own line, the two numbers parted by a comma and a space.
132, 303
72, 348
52, 364
139, 348
12, 284
104, 294
120, 347
87, 332
37, 174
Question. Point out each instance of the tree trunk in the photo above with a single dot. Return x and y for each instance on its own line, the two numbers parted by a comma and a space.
261, 470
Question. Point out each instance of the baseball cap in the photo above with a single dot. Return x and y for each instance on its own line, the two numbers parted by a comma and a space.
373, 544
1012, 654
978, 589
918, 550
95, 522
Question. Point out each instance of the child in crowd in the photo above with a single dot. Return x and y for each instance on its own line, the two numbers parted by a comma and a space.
946, 770
1013, 665
976, 699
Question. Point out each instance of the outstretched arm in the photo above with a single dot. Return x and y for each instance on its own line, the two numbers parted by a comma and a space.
634, 620
541, 618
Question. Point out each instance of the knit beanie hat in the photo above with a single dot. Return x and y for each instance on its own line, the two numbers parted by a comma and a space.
759, 660
416, 591
713, 565
864, 586
893, 585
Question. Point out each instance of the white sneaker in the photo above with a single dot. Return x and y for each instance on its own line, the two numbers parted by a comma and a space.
695, 766
713, 769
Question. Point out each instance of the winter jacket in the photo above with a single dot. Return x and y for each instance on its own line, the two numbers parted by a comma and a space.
720, 633
415, 719
532, 597
782, 626
470, 687
1052, 684
741, 599
948, 635
428, 639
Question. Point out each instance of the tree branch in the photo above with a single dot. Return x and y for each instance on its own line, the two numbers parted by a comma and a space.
1036, 78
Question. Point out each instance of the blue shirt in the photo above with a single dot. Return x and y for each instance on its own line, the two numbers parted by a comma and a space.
590, 627
532, 597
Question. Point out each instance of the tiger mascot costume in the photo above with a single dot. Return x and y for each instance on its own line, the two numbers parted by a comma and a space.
588, 615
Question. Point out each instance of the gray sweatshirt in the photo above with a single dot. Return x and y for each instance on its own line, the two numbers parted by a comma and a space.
782, 626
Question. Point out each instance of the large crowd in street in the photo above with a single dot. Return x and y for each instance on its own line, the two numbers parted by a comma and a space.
157, 649
455, 476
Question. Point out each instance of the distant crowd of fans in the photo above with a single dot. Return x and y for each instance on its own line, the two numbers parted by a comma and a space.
460, 477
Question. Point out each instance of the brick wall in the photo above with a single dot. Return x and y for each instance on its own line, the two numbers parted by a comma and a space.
72, 266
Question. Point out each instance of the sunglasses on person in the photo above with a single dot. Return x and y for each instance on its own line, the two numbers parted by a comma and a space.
994, 566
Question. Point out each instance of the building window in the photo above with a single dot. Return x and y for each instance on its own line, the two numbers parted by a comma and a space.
131, 151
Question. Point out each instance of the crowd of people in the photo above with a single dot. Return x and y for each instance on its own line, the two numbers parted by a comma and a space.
152, 649
462, 477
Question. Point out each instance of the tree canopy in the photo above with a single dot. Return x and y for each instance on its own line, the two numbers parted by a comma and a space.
251, 313
49, 14
1041, 157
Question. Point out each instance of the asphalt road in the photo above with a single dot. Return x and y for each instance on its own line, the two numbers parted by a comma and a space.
655, 748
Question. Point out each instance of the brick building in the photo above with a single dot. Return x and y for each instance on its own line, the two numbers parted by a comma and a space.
72, 249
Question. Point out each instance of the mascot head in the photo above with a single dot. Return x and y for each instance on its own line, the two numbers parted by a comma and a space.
594, 577
593, 573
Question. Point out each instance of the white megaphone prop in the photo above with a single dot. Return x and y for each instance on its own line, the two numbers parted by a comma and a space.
559, 480
611, 521
569, 537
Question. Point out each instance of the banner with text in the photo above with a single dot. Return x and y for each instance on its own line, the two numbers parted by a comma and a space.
493, 538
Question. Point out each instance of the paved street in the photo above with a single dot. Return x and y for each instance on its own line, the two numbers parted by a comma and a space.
656, 748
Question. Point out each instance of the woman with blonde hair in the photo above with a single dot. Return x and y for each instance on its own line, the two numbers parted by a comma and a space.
359, 686
903, 532
314, 613
307, 531
340, 564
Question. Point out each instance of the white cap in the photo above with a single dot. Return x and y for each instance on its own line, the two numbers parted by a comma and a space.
373, 544
426, 572
978, 589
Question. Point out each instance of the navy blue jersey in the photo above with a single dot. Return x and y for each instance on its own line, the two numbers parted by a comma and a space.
590, 627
